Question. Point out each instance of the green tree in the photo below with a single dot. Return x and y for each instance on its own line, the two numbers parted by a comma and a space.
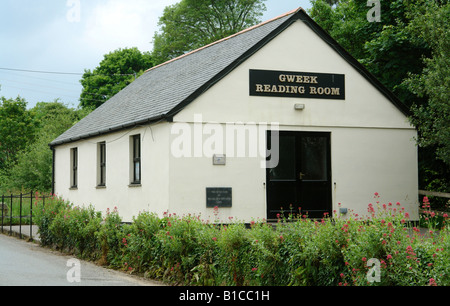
431, 24
408, 51
191, 24
117, 70
33, 168
16, 130
387, 48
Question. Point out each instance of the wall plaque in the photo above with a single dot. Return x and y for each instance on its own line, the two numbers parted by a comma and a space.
219, 159
220, 197
288, 84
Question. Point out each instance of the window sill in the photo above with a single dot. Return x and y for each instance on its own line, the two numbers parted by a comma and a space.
132, 185
100, 187
73, 188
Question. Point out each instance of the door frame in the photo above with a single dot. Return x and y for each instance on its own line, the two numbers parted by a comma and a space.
327, 183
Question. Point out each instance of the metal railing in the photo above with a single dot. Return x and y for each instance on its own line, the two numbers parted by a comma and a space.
17, 211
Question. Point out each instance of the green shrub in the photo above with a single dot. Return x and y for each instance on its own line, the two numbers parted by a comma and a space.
109, 238
65, 227
187, 250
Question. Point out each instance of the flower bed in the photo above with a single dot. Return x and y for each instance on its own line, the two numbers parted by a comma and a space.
383, 249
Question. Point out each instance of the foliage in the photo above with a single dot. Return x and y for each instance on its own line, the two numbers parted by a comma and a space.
33, 170
16, 130
69, 228
117, 70
387, 48
191, 24
408, 52
32, 167
431, 24
296, 251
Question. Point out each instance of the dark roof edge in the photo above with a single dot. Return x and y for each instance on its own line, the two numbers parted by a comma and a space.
238, 61
354, 62
299, 14
169, 115
156, 119
225, 38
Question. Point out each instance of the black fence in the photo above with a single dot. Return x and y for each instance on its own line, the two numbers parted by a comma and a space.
17, 212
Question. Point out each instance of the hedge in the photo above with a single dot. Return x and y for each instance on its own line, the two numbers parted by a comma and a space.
382, 249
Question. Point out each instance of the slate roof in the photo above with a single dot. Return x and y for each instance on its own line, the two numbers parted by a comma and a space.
164, 90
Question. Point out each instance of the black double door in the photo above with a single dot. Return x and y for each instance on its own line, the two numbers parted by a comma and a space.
302, 178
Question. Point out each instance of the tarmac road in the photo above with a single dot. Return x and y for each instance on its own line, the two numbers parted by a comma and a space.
27, 264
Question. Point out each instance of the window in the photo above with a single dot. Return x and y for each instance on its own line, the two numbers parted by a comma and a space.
74, 168
136, 159
101, 170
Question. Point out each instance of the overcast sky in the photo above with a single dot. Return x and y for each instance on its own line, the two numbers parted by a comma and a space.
73, 35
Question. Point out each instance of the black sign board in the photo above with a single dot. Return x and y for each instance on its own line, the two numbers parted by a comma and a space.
311, 85
220, 197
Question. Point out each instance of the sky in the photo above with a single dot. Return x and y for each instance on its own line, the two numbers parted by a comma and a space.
69, 36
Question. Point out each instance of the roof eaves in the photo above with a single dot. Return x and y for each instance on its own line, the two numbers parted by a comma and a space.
155, 119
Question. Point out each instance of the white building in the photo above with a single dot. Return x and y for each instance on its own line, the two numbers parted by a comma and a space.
192, 133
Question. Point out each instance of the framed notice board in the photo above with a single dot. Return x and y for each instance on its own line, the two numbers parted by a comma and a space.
218, 196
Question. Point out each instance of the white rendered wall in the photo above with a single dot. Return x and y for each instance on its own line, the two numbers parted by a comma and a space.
373, 148
151, 195
363, 161
372, 144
